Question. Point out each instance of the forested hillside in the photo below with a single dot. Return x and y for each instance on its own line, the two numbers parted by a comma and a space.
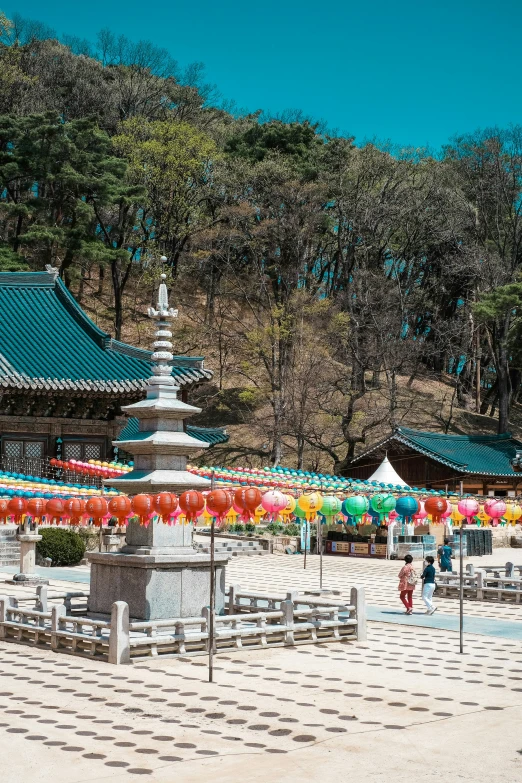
336, 289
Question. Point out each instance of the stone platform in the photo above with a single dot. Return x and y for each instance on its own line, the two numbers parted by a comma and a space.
158, 574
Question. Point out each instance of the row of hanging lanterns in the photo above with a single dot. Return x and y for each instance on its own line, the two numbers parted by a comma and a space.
92, 468
249, 503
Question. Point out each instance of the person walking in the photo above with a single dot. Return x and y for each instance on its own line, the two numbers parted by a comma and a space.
444, 554
407, 580
428, 585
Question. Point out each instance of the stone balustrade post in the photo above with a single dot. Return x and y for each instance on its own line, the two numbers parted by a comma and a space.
287, 607
6, 602
119, 636
57, 612
480, 577
358, 599
233, 596
41, 598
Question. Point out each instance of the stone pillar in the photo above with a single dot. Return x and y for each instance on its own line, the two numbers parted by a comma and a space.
27, 573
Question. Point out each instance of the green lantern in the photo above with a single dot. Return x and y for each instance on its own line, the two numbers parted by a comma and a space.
355, 506
330, 508
299, 513
383, 504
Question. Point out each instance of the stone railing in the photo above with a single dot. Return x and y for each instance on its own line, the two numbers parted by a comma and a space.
481, 586
290, 620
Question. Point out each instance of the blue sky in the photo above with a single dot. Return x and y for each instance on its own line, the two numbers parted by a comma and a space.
412, 72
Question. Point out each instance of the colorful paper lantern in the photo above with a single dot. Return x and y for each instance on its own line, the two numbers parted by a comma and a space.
355, 506
36, 508
17, 508
311, 504
121, 508
219, 503
164, 504
74, 508
273, 502
406, 507
97, 508
468, 507
436, 507
192, 504
246, 500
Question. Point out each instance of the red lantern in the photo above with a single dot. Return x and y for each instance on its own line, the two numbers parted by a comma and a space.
75, 509
96, 507
4, 511
17, 508
54, 510
192, 504
36, 508
165, 504
53, 462
120, 507
436, 507
247, 499
219, 503
142, 507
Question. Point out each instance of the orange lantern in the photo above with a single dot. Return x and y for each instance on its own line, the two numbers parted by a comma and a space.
74, 508
192, 504
165, 504
17, 507
36, 508
247, 500
219, 503
54, 510
142, 507
120, 507
96, 507
436, 507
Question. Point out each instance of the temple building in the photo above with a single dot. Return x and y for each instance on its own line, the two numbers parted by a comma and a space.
485, 464
63, 381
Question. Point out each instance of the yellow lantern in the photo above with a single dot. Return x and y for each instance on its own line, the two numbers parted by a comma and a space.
310, 504
455, 515
289, 508
482, 516
259, 513
513, 512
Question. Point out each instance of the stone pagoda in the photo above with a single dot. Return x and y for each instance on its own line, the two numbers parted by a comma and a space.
158, 573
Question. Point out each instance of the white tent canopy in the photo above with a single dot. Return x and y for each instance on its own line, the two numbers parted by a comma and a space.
386, 474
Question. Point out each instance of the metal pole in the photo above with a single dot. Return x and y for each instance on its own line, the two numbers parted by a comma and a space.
305, 540
212, 596
461, 587
320, 544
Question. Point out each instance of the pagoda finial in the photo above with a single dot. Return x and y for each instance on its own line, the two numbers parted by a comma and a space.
162, 356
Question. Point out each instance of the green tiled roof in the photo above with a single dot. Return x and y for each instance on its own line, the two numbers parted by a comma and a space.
485, 455
48, 342
212, 435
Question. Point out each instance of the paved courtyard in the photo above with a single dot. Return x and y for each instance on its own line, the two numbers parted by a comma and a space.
404, 705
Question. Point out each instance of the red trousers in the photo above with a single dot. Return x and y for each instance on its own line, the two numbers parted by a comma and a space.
407, 598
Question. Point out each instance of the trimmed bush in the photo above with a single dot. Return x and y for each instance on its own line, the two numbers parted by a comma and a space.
64, 547
292, 529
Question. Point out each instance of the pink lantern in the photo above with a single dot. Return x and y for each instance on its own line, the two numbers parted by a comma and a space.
273, 502
495, 508
421, 513
468, 507
449, 509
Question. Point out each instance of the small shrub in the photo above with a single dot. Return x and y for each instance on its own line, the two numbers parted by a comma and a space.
250, 527
292, 529
275, 528
64, 547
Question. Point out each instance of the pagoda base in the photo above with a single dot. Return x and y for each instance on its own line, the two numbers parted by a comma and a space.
158, 574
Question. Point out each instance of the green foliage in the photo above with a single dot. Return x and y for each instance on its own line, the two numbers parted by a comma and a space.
250, 527
11, 261
293, 139
64, 547
275, 528
292, 529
